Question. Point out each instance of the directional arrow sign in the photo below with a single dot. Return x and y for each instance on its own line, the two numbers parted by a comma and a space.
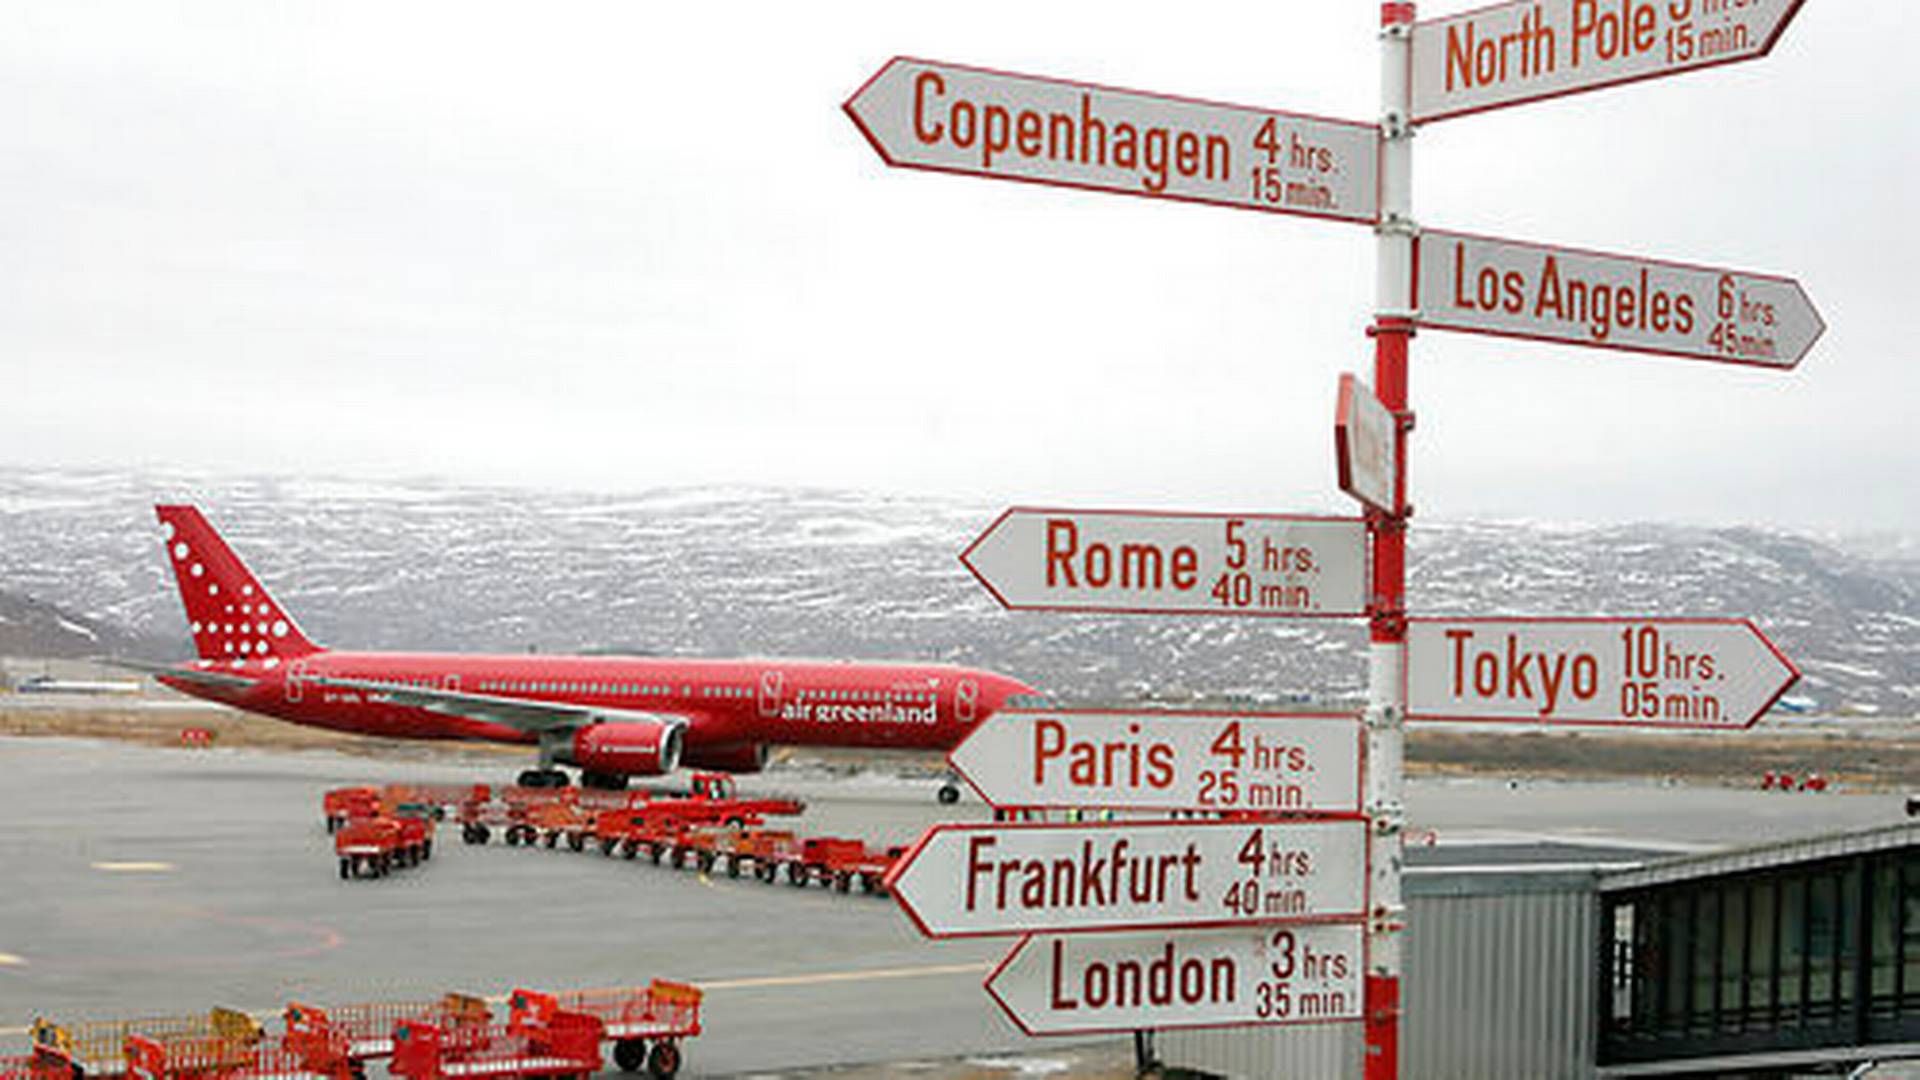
1173, 564
1509, 288
924, 114
1363, 444
1678, 673
1512, 53
973, 880
1168, 761
1077, 984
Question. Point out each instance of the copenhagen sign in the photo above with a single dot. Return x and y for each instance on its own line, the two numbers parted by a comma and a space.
1515, 289
925, 114
1678, 673
976, 880
1082, 984
1172, 563
1166, 761
1512, 53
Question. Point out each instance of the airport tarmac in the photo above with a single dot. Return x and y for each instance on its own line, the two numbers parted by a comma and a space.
141, 881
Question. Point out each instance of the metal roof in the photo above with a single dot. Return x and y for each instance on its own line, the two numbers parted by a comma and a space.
1763, 856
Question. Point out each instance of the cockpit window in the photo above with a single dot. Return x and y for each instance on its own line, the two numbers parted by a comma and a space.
1028, 701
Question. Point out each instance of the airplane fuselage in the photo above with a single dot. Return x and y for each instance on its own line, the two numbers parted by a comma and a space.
724, 702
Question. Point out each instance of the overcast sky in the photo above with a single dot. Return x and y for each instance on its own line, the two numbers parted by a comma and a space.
619, 246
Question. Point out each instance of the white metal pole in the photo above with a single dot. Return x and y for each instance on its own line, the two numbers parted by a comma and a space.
1386, 686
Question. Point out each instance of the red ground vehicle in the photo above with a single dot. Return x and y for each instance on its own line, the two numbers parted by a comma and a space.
364, 1032
645, 1023
564, 1044
744, 850
342, 805
39, 1065
510, 811
555, 821
220, 1059
845, 864
99, 1048
368, 848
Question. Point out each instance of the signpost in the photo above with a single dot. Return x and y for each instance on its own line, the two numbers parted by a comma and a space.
1082, 984
975, 880
1514, 289
1526, 50
1363, 445
1678, 673
924, 114
1292, 891
1173, 564
1166, 761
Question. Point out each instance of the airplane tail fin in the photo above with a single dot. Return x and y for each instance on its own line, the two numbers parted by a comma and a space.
228, 610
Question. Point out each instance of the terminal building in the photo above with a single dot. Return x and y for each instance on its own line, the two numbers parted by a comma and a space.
1570, 961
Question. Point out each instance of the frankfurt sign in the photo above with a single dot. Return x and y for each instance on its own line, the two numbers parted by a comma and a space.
974, 880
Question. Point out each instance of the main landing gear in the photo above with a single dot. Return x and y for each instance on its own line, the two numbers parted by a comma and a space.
603, 781
544, 778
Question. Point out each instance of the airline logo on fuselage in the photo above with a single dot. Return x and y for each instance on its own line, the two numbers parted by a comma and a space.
801, 712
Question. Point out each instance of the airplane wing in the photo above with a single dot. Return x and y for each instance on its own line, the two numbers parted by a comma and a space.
519, 713
217, 679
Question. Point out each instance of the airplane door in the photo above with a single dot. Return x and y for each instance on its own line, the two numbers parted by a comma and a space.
966, 701
296, 680
772, 687
451, 684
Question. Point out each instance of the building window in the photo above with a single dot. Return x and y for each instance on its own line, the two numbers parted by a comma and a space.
1763, 934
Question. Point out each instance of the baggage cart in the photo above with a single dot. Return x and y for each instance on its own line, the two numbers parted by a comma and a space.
221, 1059
99, 1047
342, 805
38, 1065
368, 848
567, 1044
645, 1023
845, 864
364, 1032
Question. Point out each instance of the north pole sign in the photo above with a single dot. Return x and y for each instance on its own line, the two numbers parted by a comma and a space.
1081, 984
925, 114
974, 880
1526, 50
1173, 564
1514, 289
1166, 761
1676, 673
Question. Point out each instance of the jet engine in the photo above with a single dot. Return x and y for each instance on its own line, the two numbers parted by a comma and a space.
626, 748
730, 758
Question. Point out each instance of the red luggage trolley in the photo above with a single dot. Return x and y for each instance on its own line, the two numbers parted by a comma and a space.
567, 1044
645, 1023
223, 1059
363, 1032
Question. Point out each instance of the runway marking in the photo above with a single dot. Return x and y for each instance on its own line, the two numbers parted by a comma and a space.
134, 867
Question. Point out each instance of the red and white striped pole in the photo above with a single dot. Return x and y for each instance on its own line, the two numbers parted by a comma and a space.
1387, 655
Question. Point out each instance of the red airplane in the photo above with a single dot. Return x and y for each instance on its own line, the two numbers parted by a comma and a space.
612, 717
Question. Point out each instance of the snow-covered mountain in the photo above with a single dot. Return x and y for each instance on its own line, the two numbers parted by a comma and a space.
731, 571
